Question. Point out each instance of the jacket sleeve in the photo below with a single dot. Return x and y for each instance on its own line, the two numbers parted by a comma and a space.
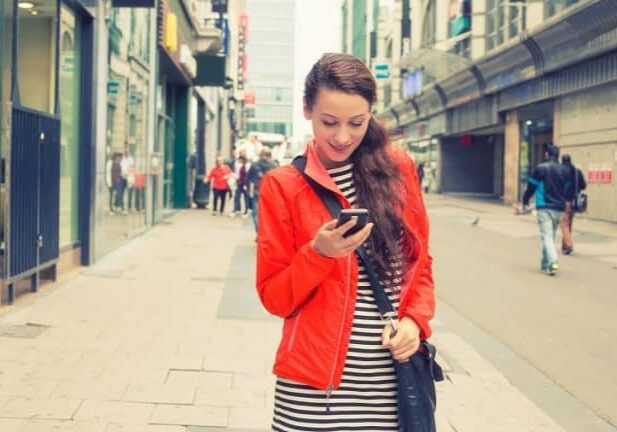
532, 184
421, 306
287, 275
582, 184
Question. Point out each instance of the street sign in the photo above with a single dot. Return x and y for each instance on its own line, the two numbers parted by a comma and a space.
112, 87
381, 71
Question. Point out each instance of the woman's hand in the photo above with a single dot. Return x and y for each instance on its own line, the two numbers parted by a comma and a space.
405, 342
329, 240
206, 180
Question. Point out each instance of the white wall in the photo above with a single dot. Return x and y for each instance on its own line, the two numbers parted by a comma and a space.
586, 128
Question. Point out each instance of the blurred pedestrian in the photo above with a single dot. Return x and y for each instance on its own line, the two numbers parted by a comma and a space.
242, 169
335, 347
550, 182
577, 180
420, 169
218, 176
256, 173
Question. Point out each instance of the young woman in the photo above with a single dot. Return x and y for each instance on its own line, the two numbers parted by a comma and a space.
335, 363
219, 175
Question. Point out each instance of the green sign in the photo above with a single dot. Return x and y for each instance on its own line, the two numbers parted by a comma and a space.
381, 71
112, 87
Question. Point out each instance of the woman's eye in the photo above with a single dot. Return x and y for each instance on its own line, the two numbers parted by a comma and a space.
355, 124
326, 123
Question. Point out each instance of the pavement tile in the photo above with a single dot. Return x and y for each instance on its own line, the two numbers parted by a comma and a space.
97, 389
247, 418
190, 416
61, 409
241, 398
169, 393
29, 388
62, 426
144, 428
117, 412
11, 425
206, 380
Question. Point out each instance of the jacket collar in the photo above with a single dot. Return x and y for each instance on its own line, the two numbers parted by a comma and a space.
316, 170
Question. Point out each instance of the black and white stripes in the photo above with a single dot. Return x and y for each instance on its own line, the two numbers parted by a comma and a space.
366, 399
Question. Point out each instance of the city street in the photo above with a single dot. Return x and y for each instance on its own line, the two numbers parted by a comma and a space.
166, 333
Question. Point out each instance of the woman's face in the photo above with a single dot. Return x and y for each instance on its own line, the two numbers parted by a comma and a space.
219, 161
339, 122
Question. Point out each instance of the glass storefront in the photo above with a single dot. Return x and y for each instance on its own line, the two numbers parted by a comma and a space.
69, 72
536, 136
37, 53
127, 128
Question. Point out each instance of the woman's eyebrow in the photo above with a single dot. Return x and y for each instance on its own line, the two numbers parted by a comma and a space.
352, 118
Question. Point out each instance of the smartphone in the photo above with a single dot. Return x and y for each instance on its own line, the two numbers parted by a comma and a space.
346, 214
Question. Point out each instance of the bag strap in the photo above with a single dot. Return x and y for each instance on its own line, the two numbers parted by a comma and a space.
334, 207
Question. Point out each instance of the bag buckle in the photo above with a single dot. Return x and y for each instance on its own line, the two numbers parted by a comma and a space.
391, 317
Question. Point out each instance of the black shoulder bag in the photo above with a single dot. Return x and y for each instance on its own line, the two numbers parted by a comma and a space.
416, 377
580, 198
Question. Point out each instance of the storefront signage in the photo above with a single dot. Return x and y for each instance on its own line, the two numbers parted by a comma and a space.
133, 3
187, 61
600, 173
381, 70
112, 87
606, 173
210, 70
171, 32
242, 57
249, 98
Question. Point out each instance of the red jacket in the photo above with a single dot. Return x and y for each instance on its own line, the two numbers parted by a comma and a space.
219, 176
315, 294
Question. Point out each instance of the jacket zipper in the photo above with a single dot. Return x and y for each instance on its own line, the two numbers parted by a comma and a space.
340, 337
293, 332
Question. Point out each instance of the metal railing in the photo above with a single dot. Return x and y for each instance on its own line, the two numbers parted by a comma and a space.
33, 178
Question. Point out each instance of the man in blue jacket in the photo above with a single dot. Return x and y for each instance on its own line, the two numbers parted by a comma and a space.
551, 183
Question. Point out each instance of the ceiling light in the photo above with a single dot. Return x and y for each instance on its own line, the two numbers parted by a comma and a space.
34, 12
26, 5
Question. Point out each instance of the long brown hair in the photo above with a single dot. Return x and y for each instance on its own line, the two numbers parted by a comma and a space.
377, 180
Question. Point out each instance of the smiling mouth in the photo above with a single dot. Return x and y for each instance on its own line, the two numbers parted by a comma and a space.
340, 148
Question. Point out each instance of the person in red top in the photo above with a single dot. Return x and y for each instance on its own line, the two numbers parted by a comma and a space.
335, 362
219, 175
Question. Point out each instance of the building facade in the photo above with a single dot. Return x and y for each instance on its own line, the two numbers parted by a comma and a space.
102, 106
269, 98
488, 84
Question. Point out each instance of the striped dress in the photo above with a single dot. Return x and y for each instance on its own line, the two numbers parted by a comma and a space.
366, 399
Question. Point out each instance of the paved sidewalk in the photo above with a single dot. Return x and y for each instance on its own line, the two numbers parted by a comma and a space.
166, 335
592, 238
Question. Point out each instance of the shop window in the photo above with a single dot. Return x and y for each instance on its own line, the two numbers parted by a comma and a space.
125, 176
505, 19
429, 29
553, 7
37, 55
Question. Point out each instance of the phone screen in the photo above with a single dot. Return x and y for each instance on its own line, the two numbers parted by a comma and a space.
346, 214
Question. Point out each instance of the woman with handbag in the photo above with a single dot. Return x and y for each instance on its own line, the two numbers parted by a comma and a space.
336, 360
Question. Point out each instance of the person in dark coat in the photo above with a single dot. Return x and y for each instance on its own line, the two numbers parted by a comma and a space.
577, 179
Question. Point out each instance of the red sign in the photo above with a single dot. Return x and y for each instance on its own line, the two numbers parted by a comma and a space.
465, 140
244, 27
606, 177
249, 98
